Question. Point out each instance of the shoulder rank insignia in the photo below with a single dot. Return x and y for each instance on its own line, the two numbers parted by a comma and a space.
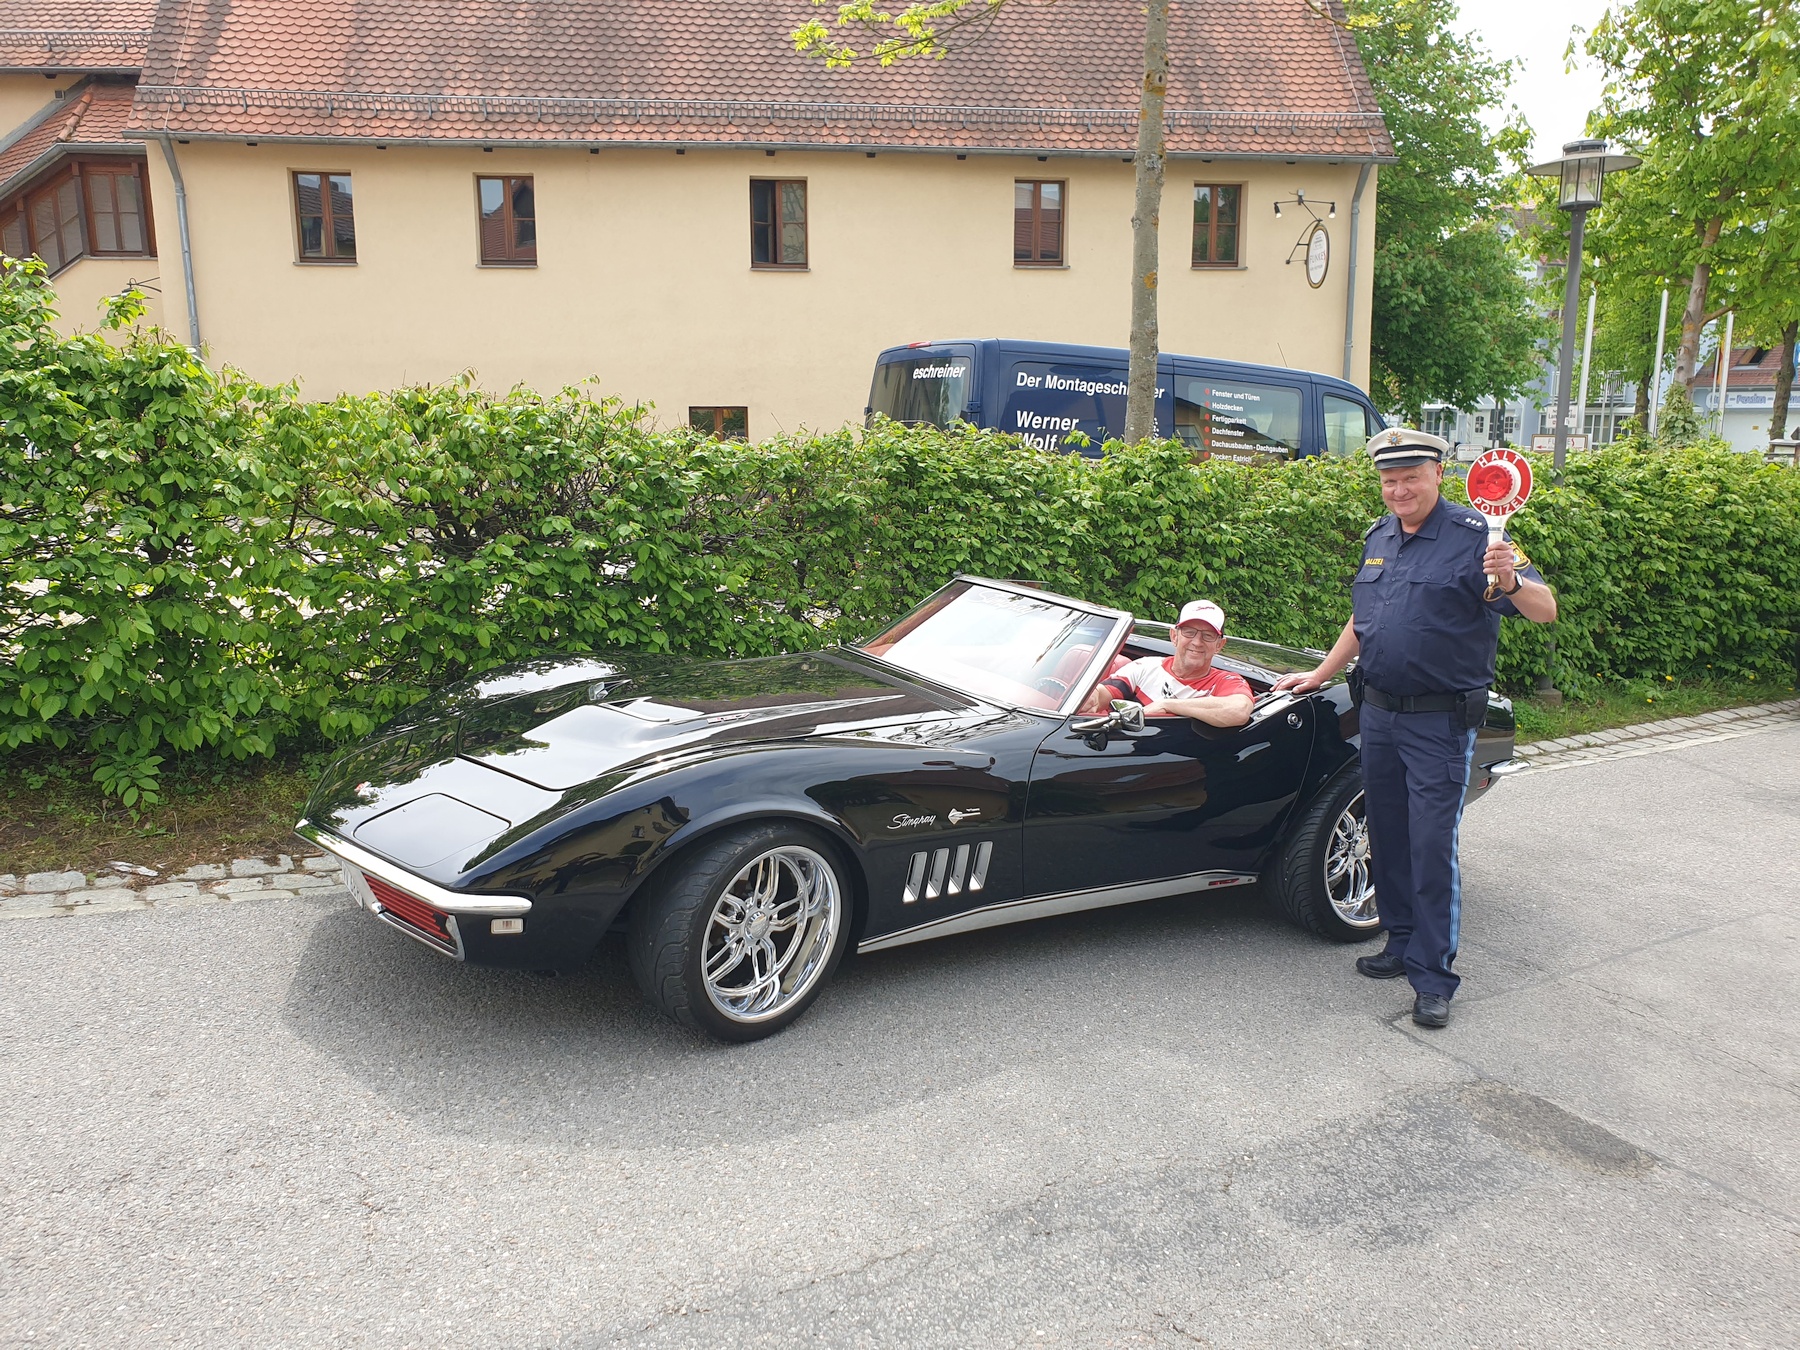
1474, 520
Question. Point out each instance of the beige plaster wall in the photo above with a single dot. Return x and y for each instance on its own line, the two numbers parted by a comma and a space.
21, 95
644, 277
83, 285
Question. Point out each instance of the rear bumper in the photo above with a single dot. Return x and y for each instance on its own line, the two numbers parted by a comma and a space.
366, 875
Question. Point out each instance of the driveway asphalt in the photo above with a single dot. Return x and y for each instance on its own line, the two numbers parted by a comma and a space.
1180, 1123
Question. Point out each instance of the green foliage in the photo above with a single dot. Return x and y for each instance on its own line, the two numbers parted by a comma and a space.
1454, 317
190, 562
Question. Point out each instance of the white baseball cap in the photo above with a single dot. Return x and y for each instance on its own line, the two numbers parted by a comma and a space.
1203, 611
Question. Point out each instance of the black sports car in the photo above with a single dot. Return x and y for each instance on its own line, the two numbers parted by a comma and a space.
746, 822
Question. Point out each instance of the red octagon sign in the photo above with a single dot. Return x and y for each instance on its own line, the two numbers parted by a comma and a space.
1499, 482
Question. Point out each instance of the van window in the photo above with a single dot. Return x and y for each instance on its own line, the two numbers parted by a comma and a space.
1237, 420
1047, 401
1347, 426
929, 390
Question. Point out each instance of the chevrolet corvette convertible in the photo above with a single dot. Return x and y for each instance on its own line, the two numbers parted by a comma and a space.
745, 823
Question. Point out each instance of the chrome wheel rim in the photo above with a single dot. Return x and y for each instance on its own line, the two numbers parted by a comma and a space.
770, 933
1348, 881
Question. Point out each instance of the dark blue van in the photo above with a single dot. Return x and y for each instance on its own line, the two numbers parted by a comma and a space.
1055, 395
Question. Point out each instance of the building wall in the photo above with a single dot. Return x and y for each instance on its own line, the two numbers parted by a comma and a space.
644, 277
21, 95
83, 285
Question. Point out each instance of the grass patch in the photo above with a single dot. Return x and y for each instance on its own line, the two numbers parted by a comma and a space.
52, 816
1630, 702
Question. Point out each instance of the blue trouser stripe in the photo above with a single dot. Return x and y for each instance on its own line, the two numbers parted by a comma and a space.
1415, 775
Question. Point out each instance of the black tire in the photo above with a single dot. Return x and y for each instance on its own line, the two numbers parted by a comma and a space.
685, 921
1299, 881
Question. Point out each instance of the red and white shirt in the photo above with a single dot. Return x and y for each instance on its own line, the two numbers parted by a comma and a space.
1151, 679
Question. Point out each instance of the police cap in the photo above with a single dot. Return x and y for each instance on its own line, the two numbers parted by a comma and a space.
1399, 446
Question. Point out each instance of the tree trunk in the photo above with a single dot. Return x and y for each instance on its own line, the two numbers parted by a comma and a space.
1784, 381
1693, 318
1146, 222
1640, 406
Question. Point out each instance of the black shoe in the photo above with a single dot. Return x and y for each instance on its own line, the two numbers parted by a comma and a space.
1431, 1010
1386, 966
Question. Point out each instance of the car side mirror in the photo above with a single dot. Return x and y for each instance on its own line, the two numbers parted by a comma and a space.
1126, 715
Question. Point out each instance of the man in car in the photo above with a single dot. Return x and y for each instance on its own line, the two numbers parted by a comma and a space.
1185, 684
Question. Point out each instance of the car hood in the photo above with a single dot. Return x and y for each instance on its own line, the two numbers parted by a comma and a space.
562, 741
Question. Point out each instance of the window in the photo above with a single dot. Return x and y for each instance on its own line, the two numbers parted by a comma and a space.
722, 424
87, 207
1440, 422
1347, 426
777, 222
115, 202
1038, 223
327, 220
1216, 217
1235, 420
508, 222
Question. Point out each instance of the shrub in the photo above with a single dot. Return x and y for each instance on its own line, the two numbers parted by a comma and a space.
194, 562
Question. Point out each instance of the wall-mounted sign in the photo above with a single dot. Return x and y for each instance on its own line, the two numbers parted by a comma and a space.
1318, 254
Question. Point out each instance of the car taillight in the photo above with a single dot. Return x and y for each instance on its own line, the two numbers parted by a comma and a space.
410, 910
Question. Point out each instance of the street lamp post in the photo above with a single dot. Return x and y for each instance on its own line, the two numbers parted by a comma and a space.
1582, 168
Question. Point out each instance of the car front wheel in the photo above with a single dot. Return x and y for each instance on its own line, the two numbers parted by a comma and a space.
736, 938
1321, 879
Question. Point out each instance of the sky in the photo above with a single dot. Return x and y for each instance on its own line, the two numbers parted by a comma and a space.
1536, 31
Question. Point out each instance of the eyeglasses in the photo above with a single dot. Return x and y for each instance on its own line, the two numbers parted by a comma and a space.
1198, 633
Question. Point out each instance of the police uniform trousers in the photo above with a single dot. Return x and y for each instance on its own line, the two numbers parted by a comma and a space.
1415, 769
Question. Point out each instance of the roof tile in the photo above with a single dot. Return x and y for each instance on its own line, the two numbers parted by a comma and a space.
1247, 77
93, 119
74, 34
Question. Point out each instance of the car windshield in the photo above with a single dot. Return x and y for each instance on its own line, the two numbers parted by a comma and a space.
1021, 649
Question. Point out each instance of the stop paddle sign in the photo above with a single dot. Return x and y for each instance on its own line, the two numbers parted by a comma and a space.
1499, 482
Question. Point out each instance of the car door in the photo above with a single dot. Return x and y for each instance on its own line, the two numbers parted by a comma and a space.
1177, 799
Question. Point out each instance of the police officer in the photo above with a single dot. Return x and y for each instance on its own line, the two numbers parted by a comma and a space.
1423, 632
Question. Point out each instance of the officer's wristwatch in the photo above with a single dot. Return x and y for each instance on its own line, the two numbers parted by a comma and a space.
1517, 586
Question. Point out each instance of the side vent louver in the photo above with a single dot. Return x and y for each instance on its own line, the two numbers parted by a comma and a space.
947, 872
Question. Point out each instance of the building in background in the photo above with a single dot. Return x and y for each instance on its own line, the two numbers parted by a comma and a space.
1749, 397
73, 187
666, 199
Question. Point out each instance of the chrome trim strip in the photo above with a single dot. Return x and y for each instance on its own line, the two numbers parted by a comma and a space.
451, 902
1066, 902
1507, 767
983, 855
388, 917
915, 878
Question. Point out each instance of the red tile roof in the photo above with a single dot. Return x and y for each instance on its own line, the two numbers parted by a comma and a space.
93, 118
1248, 77
74, 34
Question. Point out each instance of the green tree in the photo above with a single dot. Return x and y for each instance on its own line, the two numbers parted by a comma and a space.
1708, 93
933, 28
1454, 314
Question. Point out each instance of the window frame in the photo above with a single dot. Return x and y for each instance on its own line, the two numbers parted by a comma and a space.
327, 235
1037, 223
719, 412
775, 226
134, 168
508, 220
1212, 237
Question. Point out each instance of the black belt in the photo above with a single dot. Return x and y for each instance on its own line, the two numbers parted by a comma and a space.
1412, 703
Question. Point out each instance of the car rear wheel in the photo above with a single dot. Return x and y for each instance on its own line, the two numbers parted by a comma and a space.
1322, 879
736, 938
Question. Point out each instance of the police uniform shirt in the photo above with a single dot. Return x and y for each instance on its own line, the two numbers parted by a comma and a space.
1422, 624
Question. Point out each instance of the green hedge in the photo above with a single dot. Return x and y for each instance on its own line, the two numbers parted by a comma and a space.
191, 561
